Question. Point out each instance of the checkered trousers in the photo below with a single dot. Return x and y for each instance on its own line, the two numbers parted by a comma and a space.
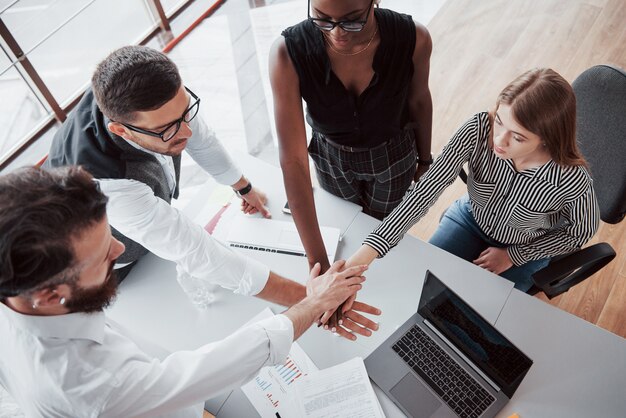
375, 178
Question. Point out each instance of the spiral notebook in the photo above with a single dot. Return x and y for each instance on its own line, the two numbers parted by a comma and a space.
268, 235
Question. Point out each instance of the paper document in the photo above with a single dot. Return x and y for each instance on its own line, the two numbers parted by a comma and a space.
341, 391
271, 391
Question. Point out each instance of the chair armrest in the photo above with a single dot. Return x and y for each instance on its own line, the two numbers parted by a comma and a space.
567, 271
463, 175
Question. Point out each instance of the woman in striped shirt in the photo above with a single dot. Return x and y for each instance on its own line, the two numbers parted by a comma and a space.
530, 195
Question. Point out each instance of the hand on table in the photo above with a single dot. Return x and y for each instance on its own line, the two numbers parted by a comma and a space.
495, 260
254, 201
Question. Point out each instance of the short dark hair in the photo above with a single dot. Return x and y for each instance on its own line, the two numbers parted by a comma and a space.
134, 79
40, 212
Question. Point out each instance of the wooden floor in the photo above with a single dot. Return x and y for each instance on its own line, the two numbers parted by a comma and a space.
480, 46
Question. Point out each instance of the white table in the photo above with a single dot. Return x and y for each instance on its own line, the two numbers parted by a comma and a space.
394, 285
152, 305
579, 370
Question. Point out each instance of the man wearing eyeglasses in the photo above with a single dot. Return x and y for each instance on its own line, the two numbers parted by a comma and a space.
129, 131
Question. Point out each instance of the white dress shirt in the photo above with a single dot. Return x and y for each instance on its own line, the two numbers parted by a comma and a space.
78, 365
136, 212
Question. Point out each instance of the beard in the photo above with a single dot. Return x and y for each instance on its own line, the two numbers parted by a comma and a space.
94, 299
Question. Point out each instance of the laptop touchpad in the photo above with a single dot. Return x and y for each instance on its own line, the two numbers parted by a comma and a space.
414, 397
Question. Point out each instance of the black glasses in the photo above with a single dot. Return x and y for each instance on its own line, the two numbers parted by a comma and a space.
347, 25
172, 129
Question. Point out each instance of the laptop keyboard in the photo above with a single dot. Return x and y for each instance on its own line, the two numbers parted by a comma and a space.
465, 396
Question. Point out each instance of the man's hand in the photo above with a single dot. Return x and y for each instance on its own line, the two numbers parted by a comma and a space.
355, 323
254, 201
324, 293
363, 256
495, 260
333, 287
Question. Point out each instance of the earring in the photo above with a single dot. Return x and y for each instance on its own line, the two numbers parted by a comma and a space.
543, 143
34, 305
62, 301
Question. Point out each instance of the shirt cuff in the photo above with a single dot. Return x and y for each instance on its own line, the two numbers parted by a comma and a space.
378, 243
516, 255
229, 177
279, 331
255, 277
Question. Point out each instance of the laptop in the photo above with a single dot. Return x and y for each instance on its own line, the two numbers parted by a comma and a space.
447, 360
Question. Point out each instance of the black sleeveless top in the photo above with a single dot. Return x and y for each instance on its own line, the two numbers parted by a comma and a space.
380, 112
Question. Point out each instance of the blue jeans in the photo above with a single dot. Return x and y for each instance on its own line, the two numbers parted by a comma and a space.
459, 234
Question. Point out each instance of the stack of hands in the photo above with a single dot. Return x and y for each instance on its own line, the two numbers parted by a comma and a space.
346, 317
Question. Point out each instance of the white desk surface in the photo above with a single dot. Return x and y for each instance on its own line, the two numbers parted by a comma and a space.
331, 210
394, 285
152, 304
579, 369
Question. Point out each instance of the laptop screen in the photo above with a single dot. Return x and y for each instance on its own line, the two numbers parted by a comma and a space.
496, 356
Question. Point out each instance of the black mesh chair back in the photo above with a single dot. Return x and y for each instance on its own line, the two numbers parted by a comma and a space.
601, 132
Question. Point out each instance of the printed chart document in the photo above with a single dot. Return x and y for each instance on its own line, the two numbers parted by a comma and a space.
271, 391
341, 391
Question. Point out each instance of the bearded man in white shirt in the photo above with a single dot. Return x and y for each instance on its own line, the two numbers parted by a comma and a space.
60, 357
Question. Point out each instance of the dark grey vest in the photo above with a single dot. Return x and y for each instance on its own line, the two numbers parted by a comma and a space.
85, 140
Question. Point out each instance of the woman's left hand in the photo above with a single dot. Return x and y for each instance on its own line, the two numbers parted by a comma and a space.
495, 260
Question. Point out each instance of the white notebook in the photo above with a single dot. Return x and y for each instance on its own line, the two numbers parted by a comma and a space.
276, 236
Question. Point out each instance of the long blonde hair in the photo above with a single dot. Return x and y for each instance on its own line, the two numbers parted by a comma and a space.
544, 103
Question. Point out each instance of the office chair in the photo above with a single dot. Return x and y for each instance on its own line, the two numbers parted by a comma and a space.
601, 134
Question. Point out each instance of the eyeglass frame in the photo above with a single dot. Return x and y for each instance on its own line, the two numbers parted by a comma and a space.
339, 23
177, 122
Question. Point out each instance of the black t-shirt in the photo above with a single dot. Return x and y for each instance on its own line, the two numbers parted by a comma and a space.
380, 112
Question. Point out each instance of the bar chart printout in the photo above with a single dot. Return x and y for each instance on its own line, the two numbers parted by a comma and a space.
271, 391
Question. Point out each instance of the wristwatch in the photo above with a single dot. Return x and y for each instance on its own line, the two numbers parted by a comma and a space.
244, 190
425, 162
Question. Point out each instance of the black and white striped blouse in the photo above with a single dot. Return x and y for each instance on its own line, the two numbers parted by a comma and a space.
540, 212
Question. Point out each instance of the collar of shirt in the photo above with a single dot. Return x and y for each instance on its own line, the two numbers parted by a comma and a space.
548, 172
159, 157
69, 326
167, 163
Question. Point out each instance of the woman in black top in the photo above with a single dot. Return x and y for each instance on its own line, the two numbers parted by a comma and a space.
363, 72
